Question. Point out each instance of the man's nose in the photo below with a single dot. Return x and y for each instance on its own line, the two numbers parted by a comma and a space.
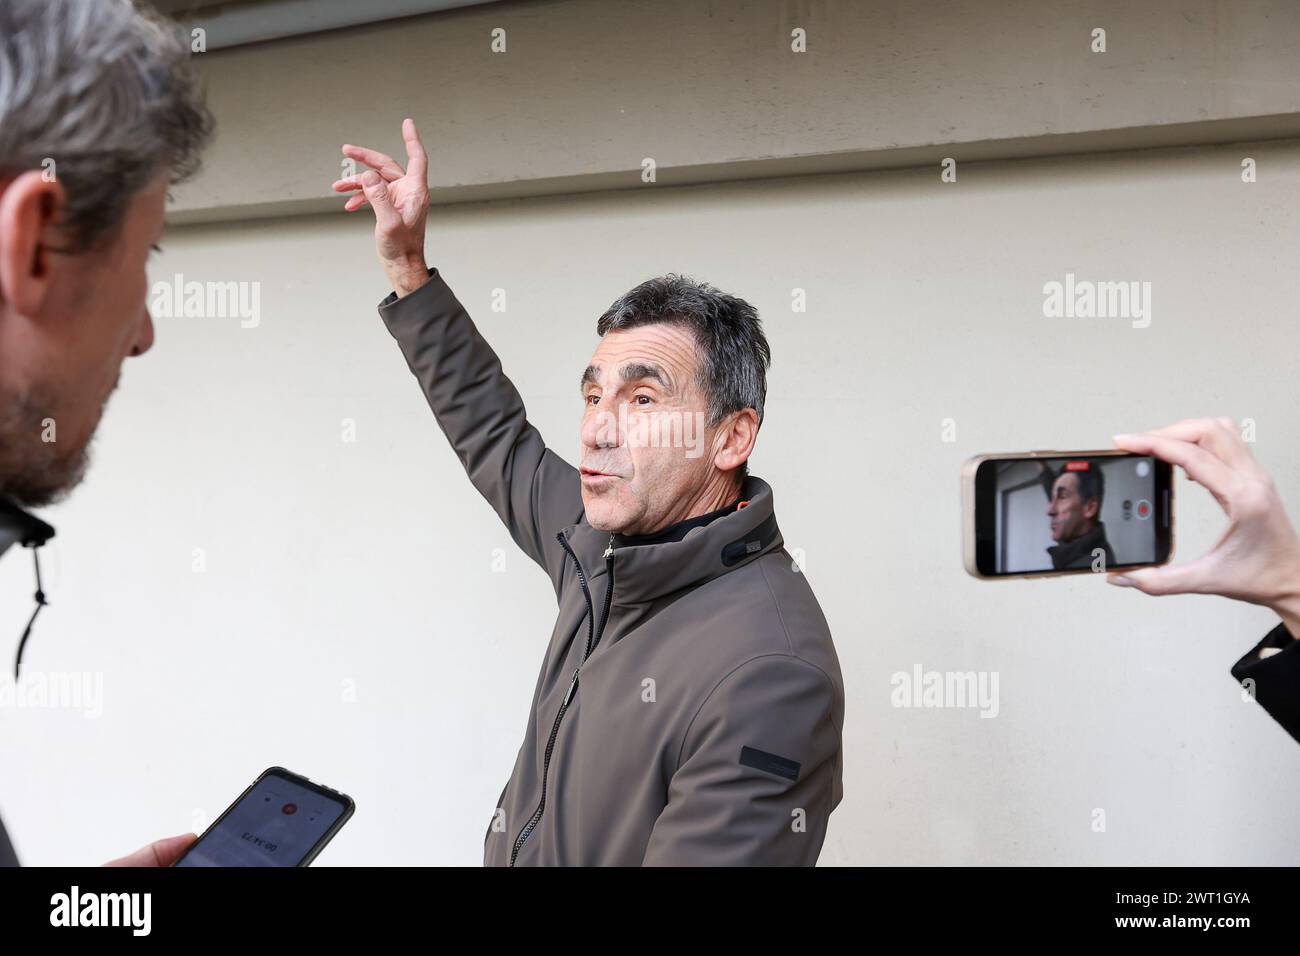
144, 338
600, 429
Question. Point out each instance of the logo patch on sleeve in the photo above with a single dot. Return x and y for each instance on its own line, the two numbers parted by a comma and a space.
769, 763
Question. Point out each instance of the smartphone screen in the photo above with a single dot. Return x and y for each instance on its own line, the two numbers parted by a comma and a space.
283, 819
1073, 513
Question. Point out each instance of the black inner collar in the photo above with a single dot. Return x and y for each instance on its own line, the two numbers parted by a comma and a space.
677, 531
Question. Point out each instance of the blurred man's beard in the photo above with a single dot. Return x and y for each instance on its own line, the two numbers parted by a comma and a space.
34, 472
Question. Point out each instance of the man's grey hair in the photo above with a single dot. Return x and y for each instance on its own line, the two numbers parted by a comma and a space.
734, 352
105, 89
1092, 484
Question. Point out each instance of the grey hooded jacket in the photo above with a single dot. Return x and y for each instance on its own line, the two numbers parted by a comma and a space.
689, 706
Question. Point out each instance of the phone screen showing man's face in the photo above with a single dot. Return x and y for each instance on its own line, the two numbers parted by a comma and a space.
277, 823
1089, 513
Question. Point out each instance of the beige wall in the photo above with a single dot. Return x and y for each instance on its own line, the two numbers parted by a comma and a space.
350, 623
711, 91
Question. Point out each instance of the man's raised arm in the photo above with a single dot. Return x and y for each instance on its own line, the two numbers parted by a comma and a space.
534, 491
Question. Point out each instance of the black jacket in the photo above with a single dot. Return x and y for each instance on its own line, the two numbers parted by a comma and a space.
1078, 553
7, 855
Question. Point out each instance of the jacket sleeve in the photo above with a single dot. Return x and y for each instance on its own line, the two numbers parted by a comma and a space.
759, 772
533, 490
7, 855
1276, 678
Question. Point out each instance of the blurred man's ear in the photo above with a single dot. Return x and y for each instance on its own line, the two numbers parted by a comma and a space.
1091, 508
29, 208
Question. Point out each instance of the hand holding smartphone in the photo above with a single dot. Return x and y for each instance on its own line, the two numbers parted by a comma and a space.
282, 819
1045, 513
1257, 559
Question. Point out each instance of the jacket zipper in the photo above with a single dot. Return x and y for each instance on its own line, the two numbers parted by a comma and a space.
593, 639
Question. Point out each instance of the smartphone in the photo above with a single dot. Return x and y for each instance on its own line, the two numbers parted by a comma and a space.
282, 819
1044, 513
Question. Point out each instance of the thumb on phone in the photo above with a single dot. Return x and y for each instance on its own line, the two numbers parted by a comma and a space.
162, 852
1170, 579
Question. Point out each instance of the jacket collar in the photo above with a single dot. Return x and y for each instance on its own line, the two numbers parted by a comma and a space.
19, 527
645, 572
1064, 555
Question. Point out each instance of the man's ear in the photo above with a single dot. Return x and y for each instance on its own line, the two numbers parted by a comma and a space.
29, 207
1091, 508
738, 437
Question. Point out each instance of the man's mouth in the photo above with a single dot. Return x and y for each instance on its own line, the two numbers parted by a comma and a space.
593, 474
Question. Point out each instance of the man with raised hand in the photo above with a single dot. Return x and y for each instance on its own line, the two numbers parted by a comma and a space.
690, 704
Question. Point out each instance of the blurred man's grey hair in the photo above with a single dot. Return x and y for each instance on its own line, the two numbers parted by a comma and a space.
105, 90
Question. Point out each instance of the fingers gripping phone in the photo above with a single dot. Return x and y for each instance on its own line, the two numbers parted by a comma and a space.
1044, 513
282, 819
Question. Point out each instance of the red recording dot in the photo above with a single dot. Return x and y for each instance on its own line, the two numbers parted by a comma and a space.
289, 809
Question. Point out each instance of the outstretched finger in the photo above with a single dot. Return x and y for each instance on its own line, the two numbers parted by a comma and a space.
381, 163
1201, 466
1218, 436
347, 184
417, 163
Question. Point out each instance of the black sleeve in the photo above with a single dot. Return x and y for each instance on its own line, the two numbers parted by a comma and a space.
533, 490
7, 855
1276, 679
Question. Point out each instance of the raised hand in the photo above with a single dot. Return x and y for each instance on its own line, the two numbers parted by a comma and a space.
400, 199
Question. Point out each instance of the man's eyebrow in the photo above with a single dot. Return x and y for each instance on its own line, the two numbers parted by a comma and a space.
634, 371
631, 372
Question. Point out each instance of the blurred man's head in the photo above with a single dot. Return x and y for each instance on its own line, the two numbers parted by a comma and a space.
99, 113
1075, 505
674, 396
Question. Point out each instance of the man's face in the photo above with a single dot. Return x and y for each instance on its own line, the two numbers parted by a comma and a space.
1071, 514
59, 363
646, 453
